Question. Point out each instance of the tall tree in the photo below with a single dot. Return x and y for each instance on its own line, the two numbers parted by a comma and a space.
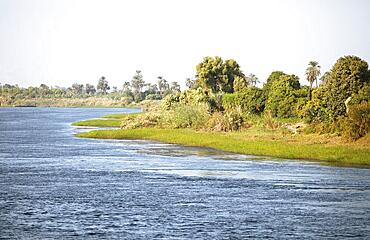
137, 84
312, 73
217, 75
163, 86
126, 89
103, 86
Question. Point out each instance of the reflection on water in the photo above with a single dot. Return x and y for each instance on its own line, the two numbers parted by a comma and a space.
53, 185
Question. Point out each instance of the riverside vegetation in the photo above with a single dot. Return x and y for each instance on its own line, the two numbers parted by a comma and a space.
224, 109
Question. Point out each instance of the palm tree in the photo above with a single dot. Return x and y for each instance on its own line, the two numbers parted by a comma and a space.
312, 72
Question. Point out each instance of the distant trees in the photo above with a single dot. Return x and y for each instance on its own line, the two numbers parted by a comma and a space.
77, 89
103, 86
190, 83
252, 79
175, 87
90, 89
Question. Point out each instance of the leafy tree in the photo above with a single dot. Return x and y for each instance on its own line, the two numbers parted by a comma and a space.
103, 86
274, 76
347, 77
90, 89
217, 75
137, 84
282, 97
312, 73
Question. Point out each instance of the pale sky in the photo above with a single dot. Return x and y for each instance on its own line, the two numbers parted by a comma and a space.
62, 42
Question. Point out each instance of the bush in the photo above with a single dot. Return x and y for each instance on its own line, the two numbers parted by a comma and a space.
186, 116
357, 124
283, 96
250, 100
132, 121
269, 120
230, 120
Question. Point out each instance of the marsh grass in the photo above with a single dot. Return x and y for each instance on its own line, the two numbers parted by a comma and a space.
254, 142
99, 123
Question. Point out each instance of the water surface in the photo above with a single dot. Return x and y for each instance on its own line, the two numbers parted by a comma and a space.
53, 185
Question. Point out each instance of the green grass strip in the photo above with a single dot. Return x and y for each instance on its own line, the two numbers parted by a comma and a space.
337, 155
99, 123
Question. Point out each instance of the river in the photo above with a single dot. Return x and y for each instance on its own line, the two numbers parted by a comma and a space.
53, 185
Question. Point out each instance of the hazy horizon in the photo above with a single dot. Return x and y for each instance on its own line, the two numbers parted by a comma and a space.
59, 43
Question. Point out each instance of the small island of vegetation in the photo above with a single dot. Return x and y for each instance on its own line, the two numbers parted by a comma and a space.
224, 109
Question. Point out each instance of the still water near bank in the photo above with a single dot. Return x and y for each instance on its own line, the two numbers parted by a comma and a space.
54, 185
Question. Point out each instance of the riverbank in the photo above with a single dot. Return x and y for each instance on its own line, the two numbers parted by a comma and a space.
88, 102
252, 141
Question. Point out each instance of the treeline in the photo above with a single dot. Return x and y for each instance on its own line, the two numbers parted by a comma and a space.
338, 102
135, 90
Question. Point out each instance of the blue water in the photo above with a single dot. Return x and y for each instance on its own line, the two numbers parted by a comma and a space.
53, 185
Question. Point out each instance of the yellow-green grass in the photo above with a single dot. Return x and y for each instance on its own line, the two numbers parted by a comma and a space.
99, 123
119, 115
253, 143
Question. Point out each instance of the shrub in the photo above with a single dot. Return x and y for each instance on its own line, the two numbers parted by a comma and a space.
229, 120
250, 100
132, 121
269, 120
186, 116
283, 96
357, 124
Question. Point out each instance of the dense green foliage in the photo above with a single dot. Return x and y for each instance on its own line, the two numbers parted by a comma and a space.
216, 75
284, 95
347, 78
228, 91
250, 100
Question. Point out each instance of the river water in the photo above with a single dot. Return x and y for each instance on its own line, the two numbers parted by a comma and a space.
53, 185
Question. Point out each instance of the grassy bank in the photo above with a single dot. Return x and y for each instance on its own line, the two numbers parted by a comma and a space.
99, 123
250, 142
88, 102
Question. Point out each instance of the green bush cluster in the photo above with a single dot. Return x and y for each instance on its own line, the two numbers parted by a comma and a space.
250, 100
229, 120
357, 124
186, 116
